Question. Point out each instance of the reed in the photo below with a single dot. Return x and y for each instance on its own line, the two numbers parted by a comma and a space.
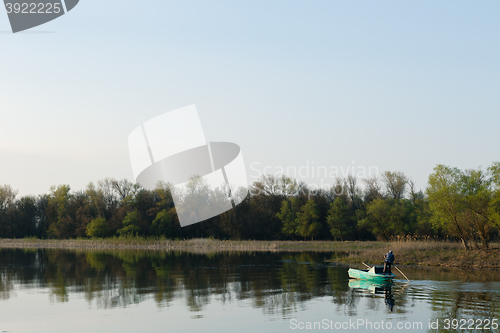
408, 250
429, 252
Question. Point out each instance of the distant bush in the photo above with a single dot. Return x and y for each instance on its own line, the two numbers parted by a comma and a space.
98, 227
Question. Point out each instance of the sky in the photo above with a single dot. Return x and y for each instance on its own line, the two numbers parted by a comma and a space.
359, 85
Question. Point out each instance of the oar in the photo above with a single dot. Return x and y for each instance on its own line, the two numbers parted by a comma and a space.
402, 273
366, 265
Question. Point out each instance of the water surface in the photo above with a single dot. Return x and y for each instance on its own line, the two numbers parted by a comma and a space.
140, 291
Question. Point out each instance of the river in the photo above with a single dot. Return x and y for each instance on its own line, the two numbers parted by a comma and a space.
141, 291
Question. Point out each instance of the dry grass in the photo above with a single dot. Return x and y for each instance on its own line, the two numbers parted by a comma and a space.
140, 243
197, 243
427, 252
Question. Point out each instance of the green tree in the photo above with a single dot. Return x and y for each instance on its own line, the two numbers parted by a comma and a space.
446, 203
478, 195
494, 208
339, 219
385, 218
163, 224
98, 227
287, 217
96, 201
130, 224
421, 217
57, 210
25, 217
462, 203
307, 221
163, 191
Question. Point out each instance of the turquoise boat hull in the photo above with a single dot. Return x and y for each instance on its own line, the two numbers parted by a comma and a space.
374, 275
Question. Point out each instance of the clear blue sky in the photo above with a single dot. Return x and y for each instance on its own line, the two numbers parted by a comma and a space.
398, 85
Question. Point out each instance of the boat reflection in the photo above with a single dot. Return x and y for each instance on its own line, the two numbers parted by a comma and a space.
376, 288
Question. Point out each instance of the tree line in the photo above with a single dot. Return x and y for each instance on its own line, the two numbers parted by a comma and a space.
459, 204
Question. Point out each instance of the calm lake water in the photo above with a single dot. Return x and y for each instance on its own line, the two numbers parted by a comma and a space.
138, 291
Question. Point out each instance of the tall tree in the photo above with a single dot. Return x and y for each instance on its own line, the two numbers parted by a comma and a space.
307, 221
287, 217
373, 189
7, 196
57, 211
385, 218
130, 224
477, 196
163, 224
461, 203
494, 171
395, 184
340, 219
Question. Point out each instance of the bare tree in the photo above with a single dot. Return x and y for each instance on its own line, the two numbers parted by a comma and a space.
110, 198
373, 189
7, 196
125, 189
395, 184
352, 191
414, 195
287, 186
266, 185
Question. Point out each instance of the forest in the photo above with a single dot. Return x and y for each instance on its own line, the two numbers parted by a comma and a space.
457, 205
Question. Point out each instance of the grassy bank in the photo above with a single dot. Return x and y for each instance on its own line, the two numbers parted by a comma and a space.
203, 244
418, 253
430, 253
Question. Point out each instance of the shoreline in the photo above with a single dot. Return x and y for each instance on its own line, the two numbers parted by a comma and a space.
200, 244
408, 253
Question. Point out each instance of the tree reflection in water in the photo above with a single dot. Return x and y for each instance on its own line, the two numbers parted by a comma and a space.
278, 283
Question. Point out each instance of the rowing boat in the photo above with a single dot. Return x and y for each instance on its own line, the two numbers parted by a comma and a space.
372, 274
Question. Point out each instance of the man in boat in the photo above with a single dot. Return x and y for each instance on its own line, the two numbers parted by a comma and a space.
389, 260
